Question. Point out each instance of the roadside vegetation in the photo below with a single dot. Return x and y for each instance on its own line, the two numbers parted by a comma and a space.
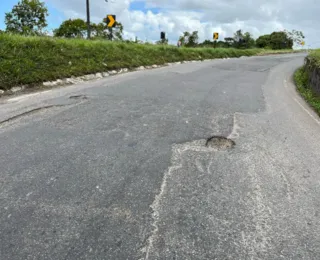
307, 79
29, 54
31, 60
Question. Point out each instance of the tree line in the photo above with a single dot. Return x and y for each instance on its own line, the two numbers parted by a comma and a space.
29, 17
276, 40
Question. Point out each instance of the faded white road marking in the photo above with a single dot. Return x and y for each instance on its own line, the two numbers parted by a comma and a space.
315, 119
302, 106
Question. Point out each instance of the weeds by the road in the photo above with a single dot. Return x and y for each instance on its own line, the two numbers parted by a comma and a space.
314, 58
301, 79
31, 60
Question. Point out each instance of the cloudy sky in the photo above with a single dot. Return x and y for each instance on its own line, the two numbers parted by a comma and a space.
147, 18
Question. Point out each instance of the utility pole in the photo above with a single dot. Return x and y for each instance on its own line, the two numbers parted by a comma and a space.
88, 20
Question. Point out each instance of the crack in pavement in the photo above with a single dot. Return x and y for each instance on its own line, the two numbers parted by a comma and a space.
29, 112
176, 163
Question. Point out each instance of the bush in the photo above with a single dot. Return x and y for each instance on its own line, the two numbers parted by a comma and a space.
314, 58
301, 79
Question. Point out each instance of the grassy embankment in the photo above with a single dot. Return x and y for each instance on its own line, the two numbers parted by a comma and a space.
301, 78
32, 60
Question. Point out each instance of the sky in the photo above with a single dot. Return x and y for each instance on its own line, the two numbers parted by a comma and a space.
145, 19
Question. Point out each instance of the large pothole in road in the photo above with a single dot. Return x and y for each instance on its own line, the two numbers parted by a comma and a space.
220, 143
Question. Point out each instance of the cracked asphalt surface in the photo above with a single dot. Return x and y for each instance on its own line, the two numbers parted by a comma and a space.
122, 172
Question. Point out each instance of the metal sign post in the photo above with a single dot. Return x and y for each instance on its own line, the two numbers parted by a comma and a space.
111, 34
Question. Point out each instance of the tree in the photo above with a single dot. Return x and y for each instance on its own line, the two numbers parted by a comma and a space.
296, 36
248, 40
76, 28
263, 41
280, 40
101, 30
222, 44
193, 39
28, 17
275, 41
229, 41
214, 44
206, 43
240, 39
238, 35
189, 39
184, 38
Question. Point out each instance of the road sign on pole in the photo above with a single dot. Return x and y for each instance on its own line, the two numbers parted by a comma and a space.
215, 36
162, 35
111, 20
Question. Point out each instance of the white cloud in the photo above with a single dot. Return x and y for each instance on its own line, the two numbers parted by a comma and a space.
206, 16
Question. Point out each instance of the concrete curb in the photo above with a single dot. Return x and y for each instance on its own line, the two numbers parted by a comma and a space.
100, 75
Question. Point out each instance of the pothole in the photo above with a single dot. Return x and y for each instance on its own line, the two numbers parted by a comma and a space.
220, 142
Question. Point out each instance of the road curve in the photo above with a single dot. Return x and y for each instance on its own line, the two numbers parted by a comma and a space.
118, 168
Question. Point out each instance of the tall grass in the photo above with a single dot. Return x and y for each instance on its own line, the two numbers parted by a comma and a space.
301, 79
31, 60
314, 58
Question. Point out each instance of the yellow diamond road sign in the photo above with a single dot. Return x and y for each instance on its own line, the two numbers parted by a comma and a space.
215, 36
302, 43
111, 20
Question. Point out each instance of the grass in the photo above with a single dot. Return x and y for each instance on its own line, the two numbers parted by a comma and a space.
314, 58
301, 80
32, 60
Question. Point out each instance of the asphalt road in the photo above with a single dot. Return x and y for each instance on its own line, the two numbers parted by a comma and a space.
122, 172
